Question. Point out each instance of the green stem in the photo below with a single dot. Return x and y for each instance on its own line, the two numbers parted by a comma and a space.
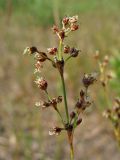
60, 116
60, 50
67, 58
47, 95
65, 99
71, 152
75, 120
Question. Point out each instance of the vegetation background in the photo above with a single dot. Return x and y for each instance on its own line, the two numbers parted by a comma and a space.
23, 127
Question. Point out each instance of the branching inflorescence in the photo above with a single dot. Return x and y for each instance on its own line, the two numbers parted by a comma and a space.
56, 57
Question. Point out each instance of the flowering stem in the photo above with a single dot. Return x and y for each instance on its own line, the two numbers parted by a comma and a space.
65, 99
70, 139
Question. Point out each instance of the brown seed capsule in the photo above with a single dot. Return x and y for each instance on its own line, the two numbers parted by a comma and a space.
65, 20
79, 104
79, 121
74, 52
74, 27
52, 51
72, 115
33, 50
46, 104
66, 49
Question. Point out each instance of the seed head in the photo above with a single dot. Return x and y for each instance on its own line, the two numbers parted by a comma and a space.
55, 131
88, 79
74, 52
74, 27
41, 83
65, 21
73, 19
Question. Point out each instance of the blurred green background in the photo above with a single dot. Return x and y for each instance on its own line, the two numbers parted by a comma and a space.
23, 127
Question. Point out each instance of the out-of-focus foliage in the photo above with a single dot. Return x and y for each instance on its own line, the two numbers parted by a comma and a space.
43, 11
115, 63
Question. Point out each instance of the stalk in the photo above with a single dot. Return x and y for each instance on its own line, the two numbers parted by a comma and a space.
60, 50
70, 139
65, 99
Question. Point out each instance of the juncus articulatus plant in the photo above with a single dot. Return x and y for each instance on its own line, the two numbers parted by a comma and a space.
56, 57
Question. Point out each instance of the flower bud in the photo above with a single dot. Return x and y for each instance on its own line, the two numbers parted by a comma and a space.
72, 115
74, 52
66, 49
79, 121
